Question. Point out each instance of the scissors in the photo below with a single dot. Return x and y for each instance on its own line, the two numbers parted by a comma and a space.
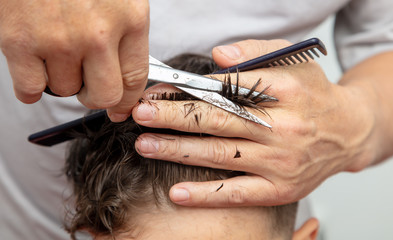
201, 87
207, 89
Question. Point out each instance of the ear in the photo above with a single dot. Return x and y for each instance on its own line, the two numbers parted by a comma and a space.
309, 230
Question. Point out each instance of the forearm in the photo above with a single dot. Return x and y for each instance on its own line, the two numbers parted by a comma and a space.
371, 82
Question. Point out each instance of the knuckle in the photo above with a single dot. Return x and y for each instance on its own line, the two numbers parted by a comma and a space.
29, 92
300, 129
85, 102
236, 195
297, 128
27, 86
14, 42
217, 152
105, 91
140, 17
292, 88
98, 42
101, 99
64, 48
98, 36
219, 120
103, 102
169, 116
58, 44
5, 45
171, 150
135, 79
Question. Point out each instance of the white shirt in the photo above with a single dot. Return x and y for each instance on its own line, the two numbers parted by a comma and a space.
32, 189
363, 27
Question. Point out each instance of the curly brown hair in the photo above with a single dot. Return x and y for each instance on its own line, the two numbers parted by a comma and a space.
113, 184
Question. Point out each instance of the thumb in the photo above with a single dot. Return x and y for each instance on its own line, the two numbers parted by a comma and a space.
230, 55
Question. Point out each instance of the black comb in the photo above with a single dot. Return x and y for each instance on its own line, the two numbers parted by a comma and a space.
67, 131
82, 126
294, 54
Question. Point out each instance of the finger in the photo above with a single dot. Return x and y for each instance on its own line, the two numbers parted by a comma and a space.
134, 61
102, 77
230, 55
232, 192
64, 75
282, 83
223, 153
28, 74
198, 117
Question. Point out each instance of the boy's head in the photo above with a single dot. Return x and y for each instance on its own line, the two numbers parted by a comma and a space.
121, 195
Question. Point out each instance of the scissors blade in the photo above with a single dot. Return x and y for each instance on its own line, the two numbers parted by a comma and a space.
164, 74
219, 101
159, 72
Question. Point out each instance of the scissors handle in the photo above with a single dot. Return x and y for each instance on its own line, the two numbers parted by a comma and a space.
291, 55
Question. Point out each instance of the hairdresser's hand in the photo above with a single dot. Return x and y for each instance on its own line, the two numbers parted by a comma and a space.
105, 43
318, 130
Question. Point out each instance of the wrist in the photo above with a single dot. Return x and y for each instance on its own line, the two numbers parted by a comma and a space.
361, 136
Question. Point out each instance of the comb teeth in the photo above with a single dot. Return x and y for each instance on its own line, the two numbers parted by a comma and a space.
292, 59
294, 54
315, 52
309, 54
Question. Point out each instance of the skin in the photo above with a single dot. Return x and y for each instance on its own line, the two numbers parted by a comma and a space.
97, 41
319, 129
209, 224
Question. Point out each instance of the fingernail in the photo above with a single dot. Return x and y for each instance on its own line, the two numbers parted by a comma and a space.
145, 112
148, 145
117, 117
180, 195
231, 51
